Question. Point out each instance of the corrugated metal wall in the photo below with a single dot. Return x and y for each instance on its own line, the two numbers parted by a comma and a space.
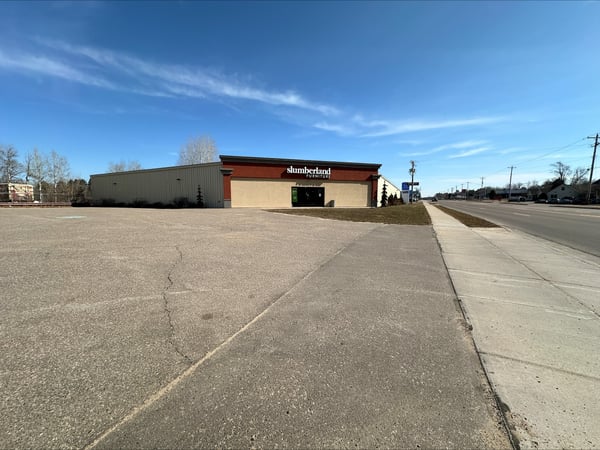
165, 185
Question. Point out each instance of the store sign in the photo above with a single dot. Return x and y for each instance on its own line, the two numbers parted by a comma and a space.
310, 173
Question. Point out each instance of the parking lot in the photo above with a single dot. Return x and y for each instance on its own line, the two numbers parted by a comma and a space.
231, 328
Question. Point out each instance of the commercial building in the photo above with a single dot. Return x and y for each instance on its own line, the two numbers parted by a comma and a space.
240, 181
16, 192
390, 188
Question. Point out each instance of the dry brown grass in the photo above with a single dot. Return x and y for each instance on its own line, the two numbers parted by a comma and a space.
414, 214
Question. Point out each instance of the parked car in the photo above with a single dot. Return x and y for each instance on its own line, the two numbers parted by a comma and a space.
566, 201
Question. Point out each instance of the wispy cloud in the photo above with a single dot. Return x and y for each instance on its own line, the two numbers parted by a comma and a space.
54, 68
130, 74
360, 126
117, 71
470, 152
388, 128
441, 148
342, 130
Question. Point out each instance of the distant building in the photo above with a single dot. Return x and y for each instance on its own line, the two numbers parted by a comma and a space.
515, 193
595, 192
562, 191
390, 188
16, 192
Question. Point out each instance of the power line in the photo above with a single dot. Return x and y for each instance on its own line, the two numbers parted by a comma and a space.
541, 156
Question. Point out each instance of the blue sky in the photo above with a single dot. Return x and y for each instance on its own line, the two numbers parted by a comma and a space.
466, 89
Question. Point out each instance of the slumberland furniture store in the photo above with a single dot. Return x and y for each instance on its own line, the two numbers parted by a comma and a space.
240, 181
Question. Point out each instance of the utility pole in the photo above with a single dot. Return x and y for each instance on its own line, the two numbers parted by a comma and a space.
510, 182
482, 178
467, 193
589, 195
412, 171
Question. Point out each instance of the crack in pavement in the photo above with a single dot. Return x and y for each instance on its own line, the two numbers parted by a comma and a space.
168, 312
162, 392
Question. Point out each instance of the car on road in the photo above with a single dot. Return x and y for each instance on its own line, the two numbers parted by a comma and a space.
566, 201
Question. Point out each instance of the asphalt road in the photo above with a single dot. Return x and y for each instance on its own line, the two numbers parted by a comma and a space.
573, 226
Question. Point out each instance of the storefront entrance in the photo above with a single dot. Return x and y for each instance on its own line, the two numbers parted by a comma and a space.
308, 196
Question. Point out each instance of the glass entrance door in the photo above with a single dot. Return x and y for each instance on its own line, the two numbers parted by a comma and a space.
308, 196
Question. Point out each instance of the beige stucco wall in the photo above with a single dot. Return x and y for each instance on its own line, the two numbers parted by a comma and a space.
278, 193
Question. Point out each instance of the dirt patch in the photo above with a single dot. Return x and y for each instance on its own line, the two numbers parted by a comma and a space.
467, 219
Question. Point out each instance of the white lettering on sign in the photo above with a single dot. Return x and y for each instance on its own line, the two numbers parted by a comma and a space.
310, 173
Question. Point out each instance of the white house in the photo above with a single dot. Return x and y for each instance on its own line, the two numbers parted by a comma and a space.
562, 191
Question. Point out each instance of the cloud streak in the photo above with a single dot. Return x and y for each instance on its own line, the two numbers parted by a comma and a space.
389, 128
470, 152
121, 72
117, 71
54, 68
359, 126
441, 148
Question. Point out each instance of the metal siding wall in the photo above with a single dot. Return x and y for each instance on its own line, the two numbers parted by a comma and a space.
161, 185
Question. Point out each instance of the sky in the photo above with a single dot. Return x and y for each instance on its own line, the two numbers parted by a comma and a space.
464, 89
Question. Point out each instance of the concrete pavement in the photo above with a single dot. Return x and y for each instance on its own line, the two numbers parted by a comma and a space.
534, 307
232, 328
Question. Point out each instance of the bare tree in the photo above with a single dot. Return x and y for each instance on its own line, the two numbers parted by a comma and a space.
134, 165
123, 166
561, 170
10, 167
579, 176
36, 168
198, 150
58, 170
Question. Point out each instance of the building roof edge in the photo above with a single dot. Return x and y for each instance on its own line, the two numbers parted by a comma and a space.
260, 160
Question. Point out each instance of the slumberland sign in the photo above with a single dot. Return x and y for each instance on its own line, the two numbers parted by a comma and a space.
310, 173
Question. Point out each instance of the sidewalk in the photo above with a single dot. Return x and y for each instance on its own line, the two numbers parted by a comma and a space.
534, 307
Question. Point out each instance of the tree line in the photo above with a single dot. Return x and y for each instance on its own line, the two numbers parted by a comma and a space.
49, 174
577, 178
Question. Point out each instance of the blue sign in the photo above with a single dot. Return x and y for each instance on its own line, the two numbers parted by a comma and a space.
405, 186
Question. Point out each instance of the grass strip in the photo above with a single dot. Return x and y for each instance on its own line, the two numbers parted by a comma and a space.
414, 214
467, 219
